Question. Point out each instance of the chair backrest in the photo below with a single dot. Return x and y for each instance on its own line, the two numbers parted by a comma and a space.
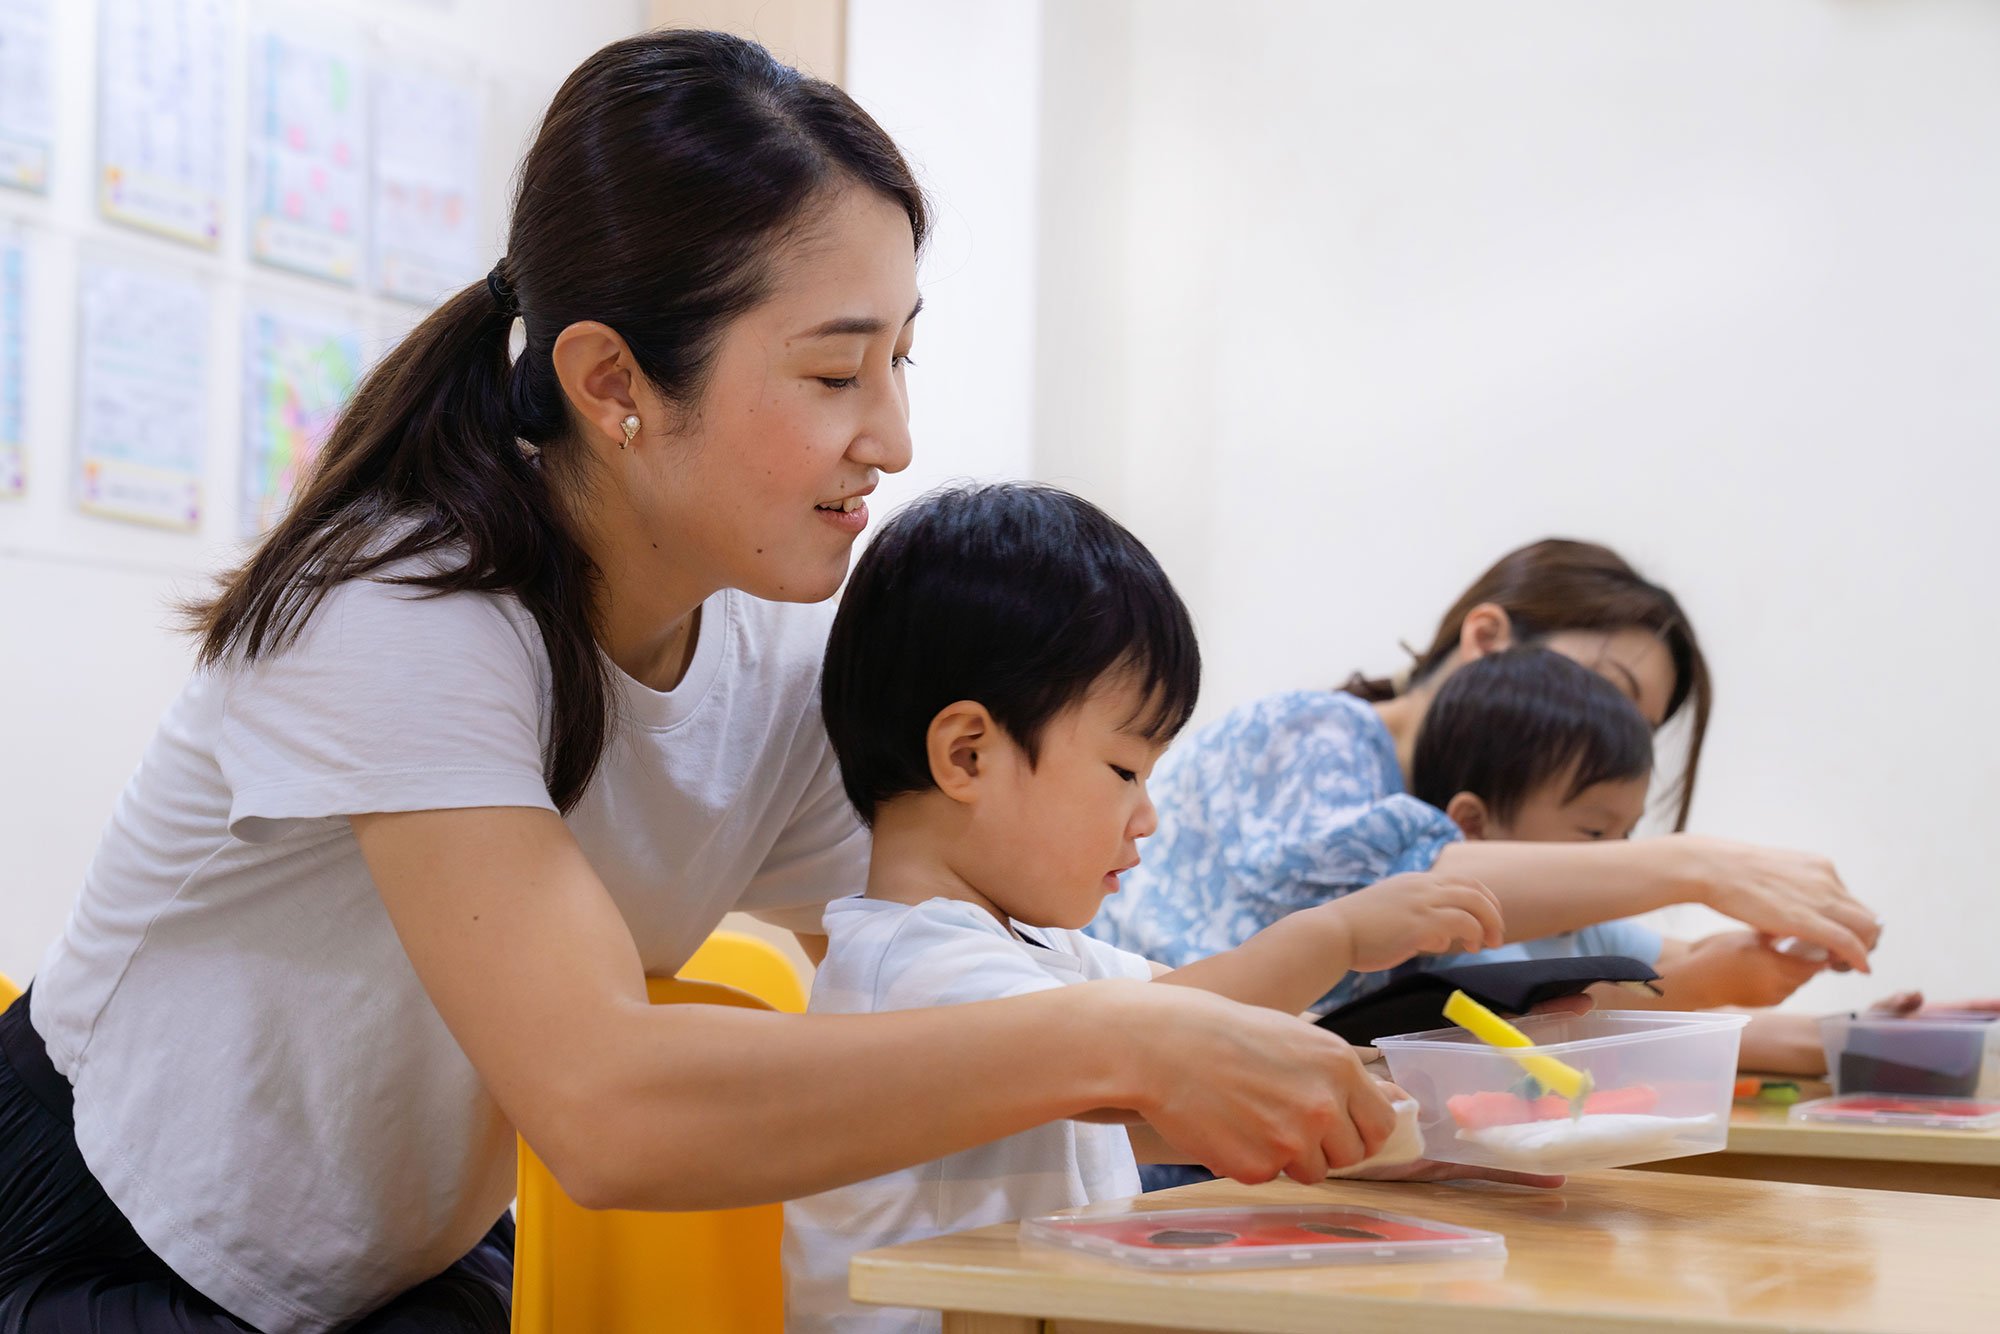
625, 1272
9, 993
748, 964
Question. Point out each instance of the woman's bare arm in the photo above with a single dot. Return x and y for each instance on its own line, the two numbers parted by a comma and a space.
1548, 888
684, 1107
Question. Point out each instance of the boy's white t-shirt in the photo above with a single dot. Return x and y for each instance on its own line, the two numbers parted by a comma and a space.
893, 956
262, 1086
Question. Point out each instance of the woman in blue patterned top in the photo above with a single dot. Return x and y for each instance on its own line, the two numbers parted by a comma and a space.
1302, 797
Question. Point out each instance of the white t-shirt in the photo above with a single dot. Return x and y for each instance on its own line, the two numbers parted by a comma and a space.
891, 956
262, 1085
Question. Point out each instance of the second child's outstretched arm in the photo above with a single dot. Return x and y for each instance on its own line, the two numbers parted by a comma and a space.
1297, 959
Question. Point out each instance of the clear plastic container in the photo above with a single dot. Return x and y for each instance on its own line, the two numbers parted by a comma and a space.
1260, 1237
1663, 1083
1935, 1055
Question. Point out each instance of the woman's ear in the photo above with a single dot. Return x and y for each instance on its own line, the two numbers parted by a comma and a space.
1468, 812
959, 744
1486, 629
595, 368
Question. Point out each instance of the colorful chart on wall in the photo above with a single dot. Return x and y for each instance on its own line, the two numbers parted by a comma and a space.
427, 134
307, 173
160, 115
13, 364
298, 371
27, 71
142, 393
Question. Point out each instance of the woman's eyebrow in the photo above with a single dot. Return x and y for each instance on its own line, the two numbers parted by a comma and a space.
865, 326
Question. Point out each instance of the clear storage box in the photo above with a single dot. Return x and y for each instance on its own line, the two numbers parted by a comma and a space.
1663, 1083
1935, 1055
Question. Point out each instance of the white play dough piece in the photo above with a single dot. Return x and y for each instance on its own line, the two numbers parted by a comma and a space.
1554, 1145
1404, 1145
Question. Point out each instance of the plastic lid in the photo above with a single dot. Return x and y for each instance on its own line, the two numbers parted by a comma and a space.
1596, 1030
1890, 1109
1886, 1019
1262, 1236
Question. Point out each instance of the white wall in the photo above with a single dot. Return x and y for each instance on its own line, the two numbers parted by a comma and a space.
1346, 299
957, 86
86, 659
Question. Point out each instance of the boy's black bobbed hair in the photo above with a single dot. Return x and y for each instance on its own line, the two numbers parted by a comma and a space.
1019, 597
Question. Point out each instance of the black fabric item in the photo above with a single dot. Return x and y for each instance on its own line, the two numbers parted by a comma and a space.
1165, 1176
1414, 1002
71, 1264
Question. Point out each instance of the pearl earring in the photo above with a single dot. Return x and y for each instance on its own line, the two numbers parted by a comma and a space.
631, 428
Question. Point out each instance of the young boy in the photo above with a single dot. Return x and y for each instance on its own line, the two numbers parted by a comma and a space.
1007, 665
1529, 744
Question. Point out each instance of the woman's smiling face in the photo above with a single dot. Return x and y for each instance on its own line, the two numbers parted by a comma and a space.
803, 408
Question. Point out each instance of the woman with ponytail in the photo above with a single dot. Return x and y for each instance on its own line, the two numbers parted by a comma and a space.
517, 701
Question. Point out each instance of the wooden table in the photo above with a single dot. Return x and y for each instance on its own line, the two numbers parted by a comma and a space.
1612, 1253
1765, 1145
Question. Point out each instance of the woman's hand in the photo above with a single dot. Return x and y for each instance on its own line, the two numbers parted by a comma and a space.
1247, 1092
1912, 1002
1780, 893
1734, 968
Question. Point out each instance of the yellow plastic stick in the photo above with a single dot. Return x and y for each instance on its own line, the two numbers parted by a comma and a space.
1494, 1031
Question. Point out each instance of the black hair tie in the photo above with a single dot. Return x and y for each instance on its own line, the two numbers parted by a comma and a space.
502, 290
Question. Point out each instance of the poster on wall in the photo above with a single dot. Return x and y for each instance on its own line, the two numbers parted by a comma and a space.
27, 75
307, 169
160, 115
299, 369
427, 130
13, 364
142, 392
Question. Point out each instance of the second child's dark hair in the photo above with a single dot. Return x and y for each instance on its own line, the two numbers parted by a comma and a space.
1017, 597
1506, 725
668, 170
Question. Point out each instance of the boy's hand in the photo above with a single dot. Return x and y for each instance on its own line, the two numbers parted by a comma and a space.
1417, 913
1736, 968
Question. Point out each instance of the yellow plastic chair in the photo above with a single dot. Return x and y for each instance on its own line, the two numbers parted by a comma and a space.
618, 1271
9, 993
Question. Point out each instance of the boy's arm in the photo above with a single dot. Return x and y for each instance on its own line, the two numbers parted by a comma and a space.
1286, 966
1297, 959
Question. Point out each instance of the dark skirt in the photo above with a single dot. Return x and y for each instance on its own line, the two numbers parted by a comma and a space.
71, 1264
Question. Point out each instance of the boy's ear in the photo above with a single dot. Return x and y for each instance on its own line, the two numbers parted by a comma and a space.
1469, 813
959, 745
1486, 629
